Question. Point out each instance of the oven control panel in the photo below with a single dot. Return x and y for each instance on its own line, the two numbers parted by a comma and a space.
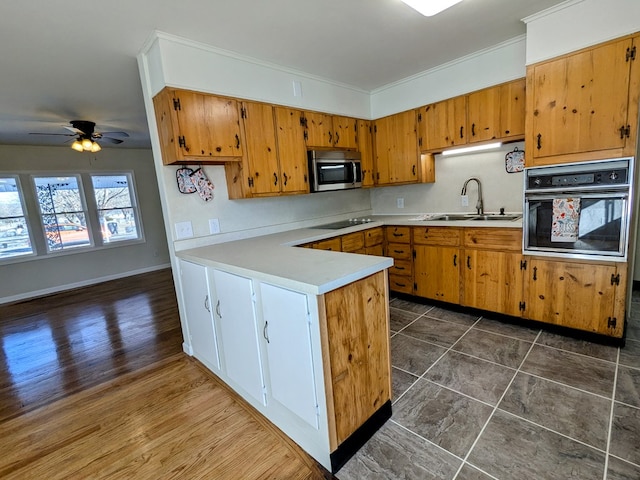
600, 178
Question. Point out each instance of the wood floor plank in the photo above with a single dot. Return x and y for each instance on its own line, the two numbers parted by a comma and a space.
118, 398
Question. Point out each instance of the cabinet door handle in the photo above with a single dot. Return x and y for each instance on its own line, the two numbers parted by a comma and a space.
331, 138
206, 304
535, 273
285, 178
337, 138
275, 178
237, 141
265, 334
473, 129
218, 309
462, 132
539, 137
468, 262
413, 170
455, 260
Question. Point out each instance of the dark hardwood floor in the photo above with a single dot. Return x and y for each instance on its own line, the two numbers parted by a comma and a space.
61, 344
94, 384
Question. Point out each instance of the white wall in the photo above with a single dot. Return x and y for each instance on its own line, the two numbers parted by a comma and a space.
44, 275
577, 24
500, 189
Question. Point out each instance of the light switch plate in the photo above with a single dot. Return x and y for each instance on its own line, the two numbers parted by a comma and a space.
214, 225
184, 230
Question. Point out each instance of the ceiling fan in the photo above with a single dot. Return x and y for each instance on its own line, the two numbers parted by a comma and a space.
86, 137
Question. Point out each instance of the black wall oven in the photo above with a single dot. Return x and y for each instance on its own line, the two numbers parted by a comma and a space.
579, 210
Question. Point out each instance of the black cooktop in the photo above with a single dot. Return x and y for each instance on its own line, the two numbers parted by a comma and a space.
343, 223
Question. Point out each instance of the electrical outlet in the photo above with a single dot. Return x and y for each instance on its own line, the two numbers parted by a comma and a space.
184, 230
214, 225
464, 200
400, 202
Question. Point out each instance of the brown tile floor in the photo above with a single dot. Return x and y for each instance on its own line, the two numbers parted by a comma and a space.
479, 399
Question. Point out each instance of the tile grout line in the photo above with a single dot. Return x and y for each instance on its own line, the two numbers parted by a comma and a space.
464, 462
613, 404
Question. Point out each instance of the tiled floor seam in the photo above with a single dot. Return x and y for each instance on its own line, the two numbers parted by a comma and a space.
425, 439
577, 353
625, 460
564, 384
613, 406
465, 460
437, 360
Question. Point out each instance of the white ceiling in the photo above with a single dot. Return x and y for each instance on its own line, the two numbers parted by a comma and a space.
63, 60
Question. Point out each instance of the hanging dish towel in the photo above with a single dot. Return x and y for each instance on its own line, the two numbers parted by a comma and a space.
566, 220
203, 185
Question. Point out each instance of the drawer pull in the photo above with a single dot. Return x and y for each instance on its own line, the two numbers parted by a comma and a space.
398, 234
455, 260
399, 268
398, 251
400, 284
468, 262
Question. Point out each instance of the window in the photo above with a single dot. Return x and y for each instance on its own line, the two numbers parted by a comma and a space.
14, 228
117, 212
63, 212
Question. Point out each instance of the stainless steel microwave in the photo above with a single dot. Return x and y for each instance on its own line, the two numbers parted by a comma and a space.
334, 170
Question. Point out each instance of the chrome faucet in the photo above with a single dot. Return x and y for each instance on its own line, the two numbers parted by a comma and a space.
479, 204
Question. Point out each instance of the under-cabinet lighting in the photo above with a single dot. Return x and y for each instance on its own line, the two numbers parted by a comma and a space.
429, 8
475, 148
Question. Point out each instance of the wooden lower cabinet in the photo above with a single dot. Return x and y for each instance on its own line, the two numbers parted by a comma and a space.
437, 273
493, 275
584, 296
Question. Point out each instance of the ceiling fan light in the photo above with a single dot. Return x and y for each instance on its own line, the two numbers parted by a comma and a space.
95, 147
87, 143
428, 8
77, 146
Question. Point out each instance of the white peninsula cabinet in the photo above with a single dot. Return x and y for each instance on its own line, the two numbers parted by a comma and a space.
316, 365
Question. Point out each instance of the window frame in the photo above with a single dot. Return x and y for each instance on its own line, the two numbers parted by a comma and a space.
27, 221
33, 212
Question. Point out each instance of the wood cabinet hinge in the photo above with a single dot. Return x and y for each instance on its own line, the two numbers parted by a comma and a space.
182, 142
523, 264
176, 104
243, 112
306, 136
415, 287
625, 131
375, 129
250, 179
522, 306
419, 117
414, 254
631, 53
612, 322
420, 142
615, 279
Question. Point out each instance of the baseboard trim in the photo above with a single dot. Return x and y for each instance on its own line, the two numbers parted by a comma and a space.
357, 439
84, 283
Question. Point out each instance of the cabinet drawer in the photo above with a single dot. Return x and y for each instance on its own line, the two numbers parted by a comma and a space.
398, 234
493, 238
373, 236
353, 241
400, 284
446, 236
399, 251
329, 244
375, 250
402, 268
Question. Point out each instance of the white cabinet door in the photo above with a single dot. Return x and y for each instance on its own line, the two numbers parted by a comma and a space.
238, 333
288, 336
198, 309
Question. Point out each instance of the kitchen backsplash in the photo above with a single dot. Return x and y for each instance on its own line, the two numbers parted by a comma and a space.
499, 188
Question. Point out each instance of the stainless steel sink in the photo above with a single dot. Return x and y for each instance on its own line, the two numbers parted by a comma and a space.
457, 217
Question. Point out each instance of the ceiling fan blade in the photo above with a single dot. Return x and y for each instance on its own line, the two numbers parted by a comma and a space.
75, 130
110, 140
114, 134
62, 134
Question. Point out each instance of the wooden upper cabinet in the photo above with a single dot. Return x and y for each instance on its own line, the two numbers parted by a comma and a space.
323, 130
512, 109
443, 124
365, 147
198, 127
584, 105
396, 148
292, 150
262, 153
483, 114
